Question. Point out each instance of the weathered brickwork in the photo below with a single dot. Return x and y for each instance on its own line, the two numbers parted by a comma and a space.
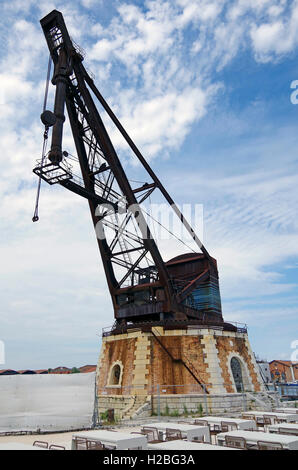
229, 346
122, 350
146, 363
164, 371
284, 371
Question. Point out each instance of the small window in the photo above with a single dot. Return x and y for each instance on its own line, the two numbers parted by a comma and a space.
115, 375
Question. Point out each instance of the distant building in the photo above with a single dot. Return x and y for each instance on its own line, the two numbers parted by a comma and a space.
60, 370
283, 371
88, 368
67, 370
26, 372
57, 370
8, 372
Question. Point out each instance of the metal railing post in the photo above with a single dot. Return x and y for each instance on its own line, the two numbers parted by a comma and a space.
95, 417
205, 400
277, 399
158, 401
243, 398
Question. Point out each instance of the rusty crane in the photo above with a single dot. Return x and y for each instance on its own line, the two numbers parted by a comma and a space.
143, 286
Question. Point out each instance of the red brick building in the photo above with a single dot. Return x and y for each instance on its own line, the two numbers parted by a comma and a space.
283, 371
57, 370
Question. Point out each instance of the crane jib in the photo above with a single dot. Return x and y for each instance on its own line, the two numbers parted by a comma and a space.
143, 286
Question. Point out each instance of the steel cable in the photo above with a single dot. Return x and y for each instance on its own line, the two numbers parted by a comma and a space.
35, 217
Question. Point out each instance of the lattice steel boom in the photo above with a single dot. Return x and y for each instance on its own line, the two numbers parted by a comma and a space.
142, 285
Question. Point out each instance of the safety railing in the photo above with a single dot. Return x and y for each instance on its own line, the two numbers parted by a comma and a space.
189, 325
288, 391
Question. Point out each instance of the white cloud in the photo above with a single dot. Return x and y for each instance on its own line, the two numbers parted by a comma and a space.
166, 118
157, 59
14, 88
102, 50
91, 3
250, 228
242, 7
267, 38
199, 11
273, 39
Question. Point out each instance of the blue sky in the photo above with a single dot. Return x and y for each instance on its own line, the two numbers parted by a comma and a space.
203, 87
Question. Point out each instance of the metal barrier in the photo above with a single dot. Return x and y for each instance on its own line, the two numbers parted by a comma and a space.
288, 391
177, 400
187, 325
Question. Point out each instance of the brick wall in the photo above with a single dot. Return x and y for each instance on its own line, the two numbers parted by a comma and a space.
146, 364
282, 371
163, 371
229, 346
123, 351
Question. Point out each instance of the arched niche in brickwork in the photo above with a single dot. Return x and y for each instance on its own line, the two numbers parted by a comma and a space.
237, 374
115, 374
237, 365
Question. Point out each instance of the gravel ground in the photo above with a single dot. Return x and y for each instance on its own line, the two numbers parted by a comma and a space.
62, 438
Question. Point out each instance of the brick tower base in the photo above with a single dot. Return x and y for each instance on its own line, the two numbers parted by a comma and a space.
194, 360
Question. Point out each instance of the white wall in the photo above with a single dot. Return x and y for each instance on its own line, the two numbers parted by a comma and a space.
50, 402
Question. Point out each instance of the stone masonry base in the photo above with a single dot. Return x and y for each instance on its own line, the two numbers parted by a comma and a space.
136, 367
186, 405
